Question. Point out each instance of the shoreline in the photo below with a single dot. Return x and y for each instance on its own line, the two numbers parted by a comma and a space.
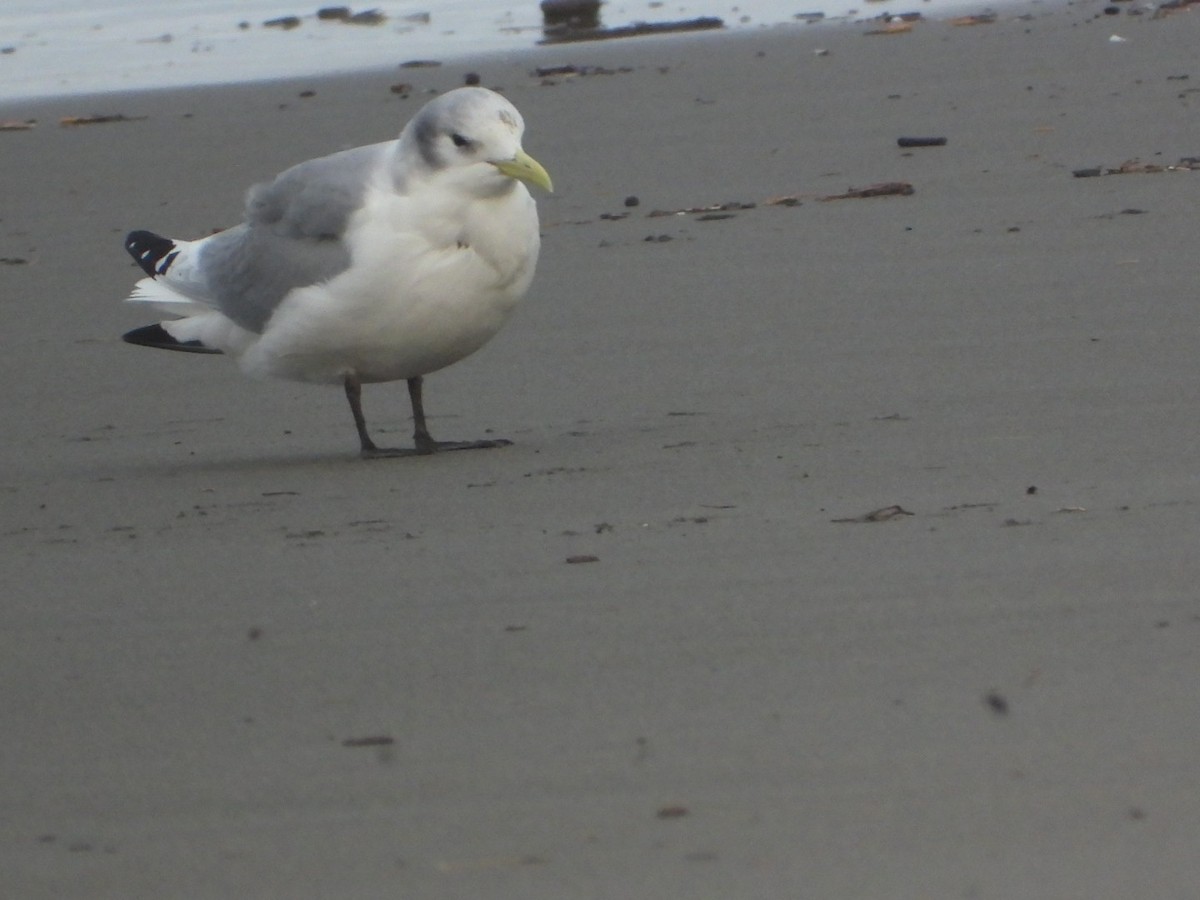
453, 54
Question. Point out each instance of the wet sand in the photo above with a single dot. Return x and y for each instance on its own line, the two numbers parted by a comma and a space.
657, 648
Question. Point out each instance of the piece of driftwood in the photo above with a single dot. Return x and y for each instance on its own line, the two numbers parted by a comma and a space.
893, 27
568, 35
1137, 167
693, 210
886, 514
978, 19
886, 189
72, 121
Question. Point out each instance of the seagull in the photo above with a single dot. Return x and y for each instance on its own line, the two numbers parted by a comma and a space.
380, 263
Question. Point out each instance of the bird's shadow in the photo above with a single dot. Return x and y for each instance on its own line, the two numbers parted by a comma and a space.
274, 464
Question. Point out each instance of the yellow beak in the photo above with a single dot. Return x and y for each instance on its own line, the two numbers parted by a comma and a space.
525, 168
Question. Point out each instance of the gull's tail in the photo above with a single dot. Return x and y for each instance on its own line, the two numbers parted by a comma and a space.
177, 283
151, 251
174, 286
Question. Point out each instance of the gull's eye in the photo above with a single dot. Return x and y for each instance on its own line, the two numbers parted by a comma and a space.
459, 140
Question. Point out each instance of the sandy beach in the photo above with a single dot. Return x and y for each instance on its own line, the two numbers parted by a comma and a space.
674, 642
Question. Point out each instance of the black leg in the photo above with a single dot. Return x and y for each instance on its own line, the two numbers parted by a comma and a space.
369, 449
424, 444
421, 437
354, 396
423, 441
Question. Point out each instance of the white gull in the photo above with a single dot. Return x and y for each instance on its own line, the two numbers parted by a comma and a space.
381, 263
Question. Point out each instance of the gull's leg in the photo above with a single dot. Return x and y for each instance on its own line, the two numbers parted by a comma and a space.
421, 437
369, 449
424, 441
354, 396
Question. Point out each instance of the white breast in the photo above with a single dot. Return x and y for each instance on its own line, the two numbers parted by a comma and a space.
430, 282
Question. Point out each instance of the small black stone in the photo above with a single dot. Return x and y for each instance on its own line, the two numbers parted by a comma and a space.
996, 702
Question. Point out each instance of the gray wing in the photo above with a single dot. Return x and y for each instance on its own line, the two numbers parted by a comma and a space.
292, 235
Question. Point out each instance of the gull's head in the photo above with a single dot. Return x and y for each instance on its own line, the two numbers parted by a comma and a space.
474, 135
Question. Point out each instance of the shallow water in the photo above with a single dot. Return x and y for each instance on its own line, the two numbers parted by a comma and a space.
84, 46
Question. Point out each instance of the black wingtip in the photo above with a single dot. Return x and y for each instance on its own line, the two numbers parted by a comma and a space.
158, 337
152, 252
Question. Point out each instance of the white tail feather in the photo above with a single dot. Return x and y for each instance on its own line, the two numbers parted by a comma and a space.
162, 297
